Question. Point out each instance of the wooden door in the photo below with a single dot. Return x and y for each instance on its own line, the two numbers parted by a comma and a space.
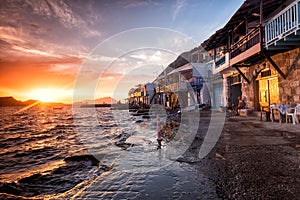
273, 89
268, 91
263, 92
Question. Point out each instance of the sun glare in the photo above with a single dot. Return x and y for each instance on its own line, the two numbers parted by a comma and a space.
46, 95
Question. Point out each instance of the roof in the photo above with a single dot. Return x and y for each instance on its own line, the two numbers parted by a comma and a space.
249, 10
183, 68
198, 69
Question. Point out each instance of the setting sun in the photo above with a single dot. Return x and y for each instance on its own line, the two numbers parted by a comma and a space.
47, 94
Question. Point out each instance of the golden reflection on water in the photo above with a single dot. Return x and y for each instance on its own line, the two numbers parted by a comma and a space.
42, 169
27, 107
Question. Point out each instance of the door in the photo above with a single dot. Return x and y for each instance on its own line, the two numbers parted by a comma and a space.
235, 92
274, 93
218, 95
268, 91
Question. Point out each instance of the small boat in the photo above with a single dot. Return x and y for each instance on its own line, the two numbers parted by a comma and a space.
57, 108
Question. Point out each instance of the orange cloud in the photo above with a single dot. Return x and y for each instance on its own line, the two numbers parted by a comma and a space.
19, 79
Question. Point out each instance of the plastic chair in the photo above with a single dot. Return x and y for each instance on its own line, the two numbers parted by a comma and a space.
272, 108
297, 113
290, 112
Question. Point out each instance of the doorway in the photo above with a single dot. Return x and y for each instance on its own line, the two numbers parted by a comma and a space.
217, 95
236, 91
268, 91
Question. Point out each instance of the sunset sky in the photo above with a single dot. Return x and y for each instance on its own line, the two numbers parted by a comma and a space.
49, 48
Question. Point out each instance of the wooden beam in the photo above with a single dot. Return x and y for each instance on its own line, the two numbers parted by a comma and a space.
292, 38
274, 64
243, 65
243, 75
278, 47
255, 75
287, 43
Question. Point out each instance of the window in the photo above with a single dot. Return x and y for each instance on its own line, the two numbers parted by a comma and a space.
265, 73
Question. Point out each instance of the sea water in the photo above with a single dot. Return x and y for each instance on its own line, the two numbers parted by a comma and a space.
101, 153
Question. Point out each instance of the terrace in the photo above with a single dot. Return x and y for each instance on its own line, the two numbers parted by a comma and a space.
282, 31
246, 47
254, 29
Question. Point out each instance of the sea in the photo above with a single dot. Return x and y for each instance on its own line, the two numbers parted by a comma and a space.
68, 152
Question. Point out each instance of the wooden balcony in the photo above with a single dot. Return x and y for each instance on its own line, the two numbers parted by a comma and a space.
246, 47
283, 30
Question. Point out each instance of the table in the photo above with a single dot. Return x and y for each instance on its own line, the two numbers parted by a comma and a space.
281, 109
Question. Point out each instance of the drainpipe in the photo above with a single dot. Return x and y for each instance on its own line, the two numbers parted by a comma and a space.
260, 24
261, 12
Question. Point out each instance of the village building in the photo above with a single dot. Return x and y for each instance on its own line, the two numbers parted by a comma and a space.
141, 95
185, 86
256, 55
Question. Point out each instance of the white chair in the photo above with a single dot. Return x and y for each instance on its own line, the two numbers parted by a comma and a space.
272, 108
297, 113
290, 112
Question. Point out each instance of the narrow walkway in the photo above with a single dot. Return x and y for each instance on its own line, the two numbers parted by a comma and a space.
258, 160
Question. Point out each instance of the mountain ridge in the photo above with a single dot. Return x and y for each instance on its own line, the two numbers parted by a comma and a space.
11, 101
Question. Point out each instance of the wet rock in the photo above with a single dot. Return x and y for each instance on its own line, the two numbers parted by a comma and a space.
124, 145
121, 141
10, 188
80, 158
146, 116
188, 159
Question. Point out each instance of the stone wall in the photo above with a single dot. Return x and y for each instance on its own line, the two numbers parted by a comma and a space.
248, 89
289, 88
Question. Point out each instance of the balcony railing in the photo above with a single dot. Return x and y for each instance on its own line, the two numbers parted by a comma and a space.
283, 23
248, 41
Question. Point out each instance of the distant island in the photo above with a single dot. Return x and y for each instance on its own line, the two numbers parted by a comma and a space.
102, 102
10, 101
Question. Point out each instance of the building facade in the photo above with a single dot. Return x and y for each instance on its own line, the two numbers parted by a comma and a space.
257, 55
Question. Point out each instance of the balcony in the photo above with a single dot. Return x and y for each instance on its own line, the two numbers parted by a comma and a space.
173, 87
282, 31
184, 86
221, 64
246, 47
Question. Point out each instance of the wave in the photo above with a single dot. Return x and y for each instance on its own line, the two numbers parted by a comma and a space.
77, 168
46, 151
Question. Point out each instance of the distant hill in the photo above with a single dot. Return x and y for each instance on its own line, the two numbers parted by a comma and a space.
10, 101
103, 100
